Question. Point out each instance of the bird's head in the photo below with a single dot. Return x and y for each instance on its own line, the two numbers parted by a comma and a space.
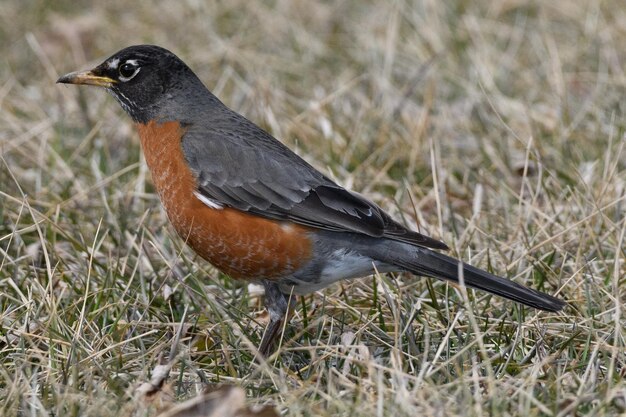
148, 81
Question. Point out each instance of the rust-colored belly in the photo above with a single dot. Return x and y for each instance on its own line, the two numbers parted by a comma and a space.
240, 244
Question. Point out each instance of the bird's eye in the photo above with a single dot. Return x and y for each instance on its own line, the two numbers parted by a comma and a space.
128, 70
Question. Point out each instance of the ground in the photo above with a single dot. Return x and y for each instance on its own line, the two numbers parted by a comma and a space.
498, 127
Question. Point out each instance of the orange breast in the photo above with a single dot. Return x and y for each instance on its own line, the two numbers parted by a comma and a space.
240, 244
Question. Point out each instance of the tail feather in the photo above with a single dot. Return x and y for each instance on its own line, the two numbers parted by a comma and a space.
437, 265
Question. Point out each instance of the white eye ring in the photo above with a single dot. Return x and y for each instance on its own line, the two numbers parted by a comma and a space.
126, 68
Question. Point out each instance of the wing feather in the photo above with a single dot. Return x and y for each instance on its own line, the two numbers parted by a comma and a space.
249, 170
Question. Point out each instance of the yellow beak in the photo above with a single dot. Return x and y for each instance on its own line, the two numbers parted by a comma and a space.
87, 78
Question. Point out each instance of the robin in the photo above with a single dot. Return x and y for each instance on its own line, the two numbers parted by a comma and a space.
253, 208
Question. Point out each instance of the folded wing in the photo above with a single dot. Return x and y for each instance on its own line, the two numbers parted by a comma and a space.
249, 170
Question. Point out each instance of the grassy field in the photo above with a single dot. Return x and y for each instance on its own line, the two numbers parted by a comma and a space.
498, 127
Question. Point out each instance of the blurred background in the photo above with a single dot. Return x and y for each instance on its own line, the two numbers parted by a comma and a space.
495, 126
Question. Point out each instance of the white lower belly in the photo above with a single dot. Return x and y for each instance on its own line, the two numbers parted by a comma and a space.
342, 265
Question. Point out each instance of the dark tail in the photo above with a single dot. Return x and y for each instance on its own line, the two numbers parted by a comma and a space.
437, 265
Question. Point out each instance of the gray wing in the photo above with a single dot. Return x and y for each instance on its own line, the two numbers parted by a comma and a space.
245, 168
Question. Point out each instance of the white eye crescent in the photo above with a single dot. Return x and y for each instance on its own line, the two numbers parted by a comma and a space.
128, 70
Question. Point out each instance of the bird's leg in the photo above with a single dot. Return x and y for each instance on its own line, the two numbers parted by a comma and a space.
278, 306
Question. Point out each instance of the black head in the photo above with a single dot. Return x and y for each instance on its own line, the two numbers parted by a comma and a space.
148, 81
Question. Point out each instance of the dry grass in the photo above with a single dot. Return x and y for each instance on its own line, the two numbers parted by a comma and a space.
503, 122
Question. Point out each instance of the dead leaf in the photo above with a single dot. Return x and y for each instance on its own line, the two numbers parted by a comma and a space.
226, 401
